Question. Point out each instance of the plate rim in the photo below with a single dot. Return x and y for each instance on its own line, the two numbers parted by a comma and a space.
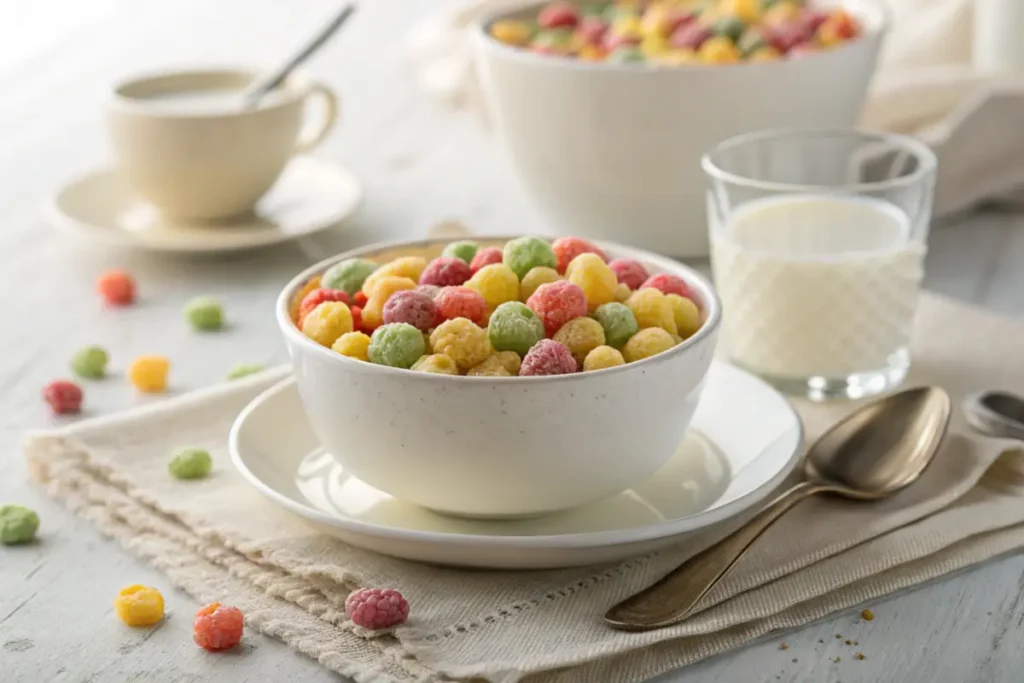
65, 222
579, 540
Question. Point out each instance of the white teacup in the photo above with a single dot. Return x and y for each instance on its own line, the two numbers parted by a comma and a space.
185, 142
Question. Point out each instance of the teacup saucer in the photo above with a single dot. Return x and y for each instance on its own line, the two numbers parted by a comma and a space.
310, 196
745, 438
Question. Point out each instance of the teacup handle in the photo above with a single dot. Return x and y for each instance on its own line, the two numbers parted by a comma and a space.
313, 134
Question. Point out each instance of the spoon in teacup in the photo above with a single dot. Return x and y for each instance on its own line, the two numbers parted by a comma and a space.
876, 451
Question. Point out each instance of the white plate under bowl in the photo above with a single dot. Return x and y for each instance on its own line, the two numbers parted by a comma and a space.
310, 196
745, 438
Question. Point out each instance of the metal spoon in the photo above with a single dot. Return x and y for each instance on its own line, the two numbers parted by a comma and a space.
874, 452
997, 413
261, 86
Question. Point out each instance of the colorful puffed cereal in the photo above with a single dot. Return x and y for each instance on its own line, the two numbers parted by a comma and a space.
244, 370
148, 374
204, 313
514, 327
190, 463
500, 364
463, 249
410, 267
411, 307
592, 275
618, 322
116, 287
548, 357
217, 627
629, 272
18, 524
568, 248
651, 308
328, 321
646, 343
90, 362
374, 608
430, 290
461, 340
622, 292
354, 345
460, 302
496, 283
485, 257
446, 271
580, 336
319, 296
436, 363
602, 357
535, 278
686, 314
557, 303
397, 345
349, 275
139, 605
524, 253
373, 313
63, 397
668, 284
296, 302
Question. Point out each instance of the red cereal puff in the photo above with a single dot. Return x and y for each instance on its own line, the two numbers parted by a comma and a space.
629, 272
430, 290
374, 608
116, 287
668, 284
548, 357
317, 297
568, 248
460, 302
558, 15
485, 257
360, 299
446, 271
63, 396
357, 317
411, 307
217, 627
556, 303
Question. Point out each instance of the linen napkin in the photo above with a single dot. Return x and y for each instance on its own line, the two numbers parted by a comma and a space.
219, 539
926, 85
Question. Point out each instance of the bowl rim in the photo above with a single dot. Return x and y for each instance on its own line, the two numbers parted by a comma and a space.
879, 12
293, 335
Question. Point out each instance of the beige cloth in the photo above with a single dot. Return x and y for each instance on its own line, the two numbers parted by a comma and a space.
221, 540
925, 85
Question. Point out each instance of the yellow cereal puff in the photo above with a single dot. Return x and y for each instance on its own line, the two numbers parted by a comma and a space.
496, 283
747, 10
686, 314
149, 373
407, 266
590, 273
500, 364
540, 275
647, 343
327, 322
462, 341
602, 357
622, 292
353, 345
511, 32
580, 336
437, 363
651, 308
138, 605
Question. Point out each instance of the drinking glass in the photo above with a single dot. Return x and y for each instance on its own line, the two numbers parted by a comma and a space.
818, 240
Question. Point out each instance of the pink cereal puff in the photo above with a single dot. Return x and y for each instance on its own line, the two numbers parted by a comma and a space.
409, 306
668, 284
485, 257
446, 271
373, 608
629, 272
568, 248
556, 303
460, 302
430, 290
548, 357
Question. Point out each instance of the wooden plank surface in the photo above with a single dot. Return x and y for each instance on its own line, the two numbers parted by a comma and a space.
420, 164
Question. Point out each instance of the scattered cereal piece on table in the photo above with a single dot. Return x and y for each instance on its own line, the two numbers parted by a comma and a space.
244, 370
548, 357
410, 306
139, 605
686, 315
410, 267
524, 253
374, 608
651, 308
463, 341
496, 283
436, 363
485, 257
646, 343
446, 271
348, 275
536, 277
460, 302
603, 357
149, 373
514, 327
116, 287
860, 656
90, 362
556, 303
397, 345
190, 463
591, 274
205, 313
354, 345
499, 364
217, 627
64, 397
867, 615
580, 336
463, 249
18, 524
319, 296
618, 322
629, 272
328, 321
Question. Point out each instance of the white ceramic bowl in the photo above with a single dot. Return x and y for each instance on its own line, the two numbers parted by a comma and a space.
501, 447
613, 151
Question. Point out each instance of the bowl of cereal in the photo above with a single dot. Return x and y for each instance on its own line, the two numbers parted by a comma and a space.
505, 378
606, 108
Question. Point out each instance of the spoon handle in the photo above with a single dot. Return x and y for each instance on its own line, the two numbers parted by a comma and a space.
670, 600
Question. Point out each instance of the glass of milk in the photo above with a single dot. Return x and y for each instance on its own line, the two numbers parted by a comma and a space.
818, 241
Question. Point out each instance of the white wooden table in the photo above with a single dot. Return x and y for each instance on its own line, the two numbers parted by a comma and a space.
420, 164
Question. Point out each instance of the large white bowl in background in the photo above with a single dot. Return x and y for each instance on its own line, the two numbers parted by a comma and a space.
501, 447
613, 151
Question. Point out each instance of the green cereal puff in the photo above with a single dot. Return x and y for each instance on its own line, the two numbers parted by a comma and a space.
626, 55
514, 327
244, 370
90, 362
524, 253
18, 524
204, 313
190, 463
618, 322
732, 27
464, 250
349, 275
396, 344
